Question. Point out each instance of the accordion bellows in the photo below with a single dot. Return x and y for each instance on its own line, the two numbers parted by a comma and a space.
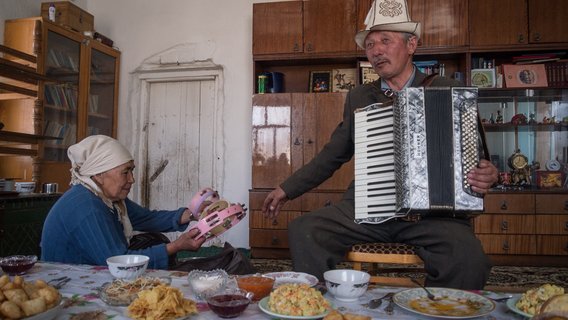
412, 156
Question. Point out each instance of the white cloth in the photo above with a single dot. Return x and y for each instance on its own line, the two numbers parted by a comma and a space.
97, 154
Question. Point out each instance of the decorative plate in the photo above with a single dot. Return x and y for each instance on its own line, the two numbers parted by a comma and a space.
450, 303
263, 305
512, 305
292, 277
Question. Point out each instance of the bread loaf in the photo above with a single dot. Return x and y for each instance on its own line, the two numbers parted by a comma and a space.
557, 303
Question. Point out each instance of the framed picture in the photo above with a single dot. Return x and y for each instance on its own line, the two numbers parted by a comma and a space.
549, 179
483, 78
320, 81
366, 73
343, 80
525, 75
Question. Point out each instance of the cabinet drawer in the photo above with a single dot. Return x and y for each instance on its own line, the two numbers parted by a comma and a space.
552, 203
505, 223
269, 238
508, 244
256, 199
553, 245
552, 224
259, 221
509, 203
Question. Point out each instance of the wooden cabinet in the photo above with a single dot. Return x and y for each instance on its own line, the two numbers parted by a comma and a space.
315, 26
524, 228
19, 107
288, 131
277, 27
81, 101
519, 22
329, 26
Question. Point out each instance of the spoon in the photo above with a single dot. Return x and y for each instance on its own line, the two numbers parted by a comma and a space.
375, 303
428, 293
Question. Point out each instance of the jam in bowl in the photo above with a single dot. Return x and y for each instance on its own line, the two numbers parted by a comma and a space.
229, 303
258, 284
17, 265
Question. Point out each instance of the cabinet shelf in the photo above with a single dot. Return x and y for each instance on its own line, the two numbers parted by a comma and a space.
15, 141
509, 127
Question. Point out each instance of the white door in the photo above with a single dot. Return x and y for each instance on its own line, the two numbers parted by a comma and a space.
181, 131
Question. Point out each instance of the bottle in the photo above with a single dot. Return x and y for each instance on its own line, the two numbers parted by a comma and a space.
52, 12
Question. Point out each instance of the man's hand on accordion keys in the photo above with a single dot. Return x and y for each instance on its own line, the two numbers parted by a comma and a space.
483, 176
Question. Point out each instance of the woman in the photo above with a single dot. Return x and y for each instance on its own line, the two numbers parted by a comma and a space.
95, 220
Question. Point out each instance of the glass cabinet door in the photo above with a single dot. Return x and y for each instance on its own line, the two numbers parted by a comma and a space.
530, 126
102, 93
63, 60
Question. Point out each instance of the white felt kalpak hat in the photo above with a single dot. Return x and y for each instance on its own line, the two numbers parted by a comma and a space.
387, 15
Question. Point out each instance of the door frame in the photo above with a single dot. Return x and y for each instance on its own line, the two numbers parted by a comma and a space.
204, 70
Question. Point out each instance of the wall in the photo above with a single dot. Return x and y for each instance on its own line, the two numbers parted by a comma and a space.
143, 28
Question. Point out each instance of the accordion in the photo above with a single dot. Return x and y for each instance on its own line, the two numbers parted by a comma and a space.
412, 155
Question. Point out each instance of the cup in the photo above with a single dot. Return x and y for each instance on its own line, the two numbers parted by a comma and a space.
49, 188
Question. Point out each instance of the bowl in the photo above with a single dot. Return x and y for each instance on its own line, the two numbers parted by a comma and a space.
206, 283
346, 284
128, 266
17, 265
229, 303
25, 187
257, 284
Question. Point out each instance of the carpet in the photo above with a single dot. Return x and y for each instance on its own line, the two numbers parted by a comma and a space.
502, 278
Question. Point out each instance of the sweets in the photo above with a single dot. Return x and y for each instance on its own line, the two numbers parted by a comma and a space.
20, 299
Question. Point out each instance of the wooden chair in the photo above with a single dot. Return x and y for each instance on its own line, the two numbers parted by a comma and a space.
380, 255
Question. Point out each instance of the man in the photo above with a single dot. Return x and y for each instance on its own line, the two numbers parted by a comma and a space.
452, 255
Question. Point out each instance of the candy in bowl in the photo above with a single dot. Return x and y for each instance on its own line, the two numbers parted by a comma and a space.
206, 283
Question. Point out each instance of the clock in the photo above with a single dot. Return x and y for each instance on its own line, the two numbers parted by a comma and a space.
518, 161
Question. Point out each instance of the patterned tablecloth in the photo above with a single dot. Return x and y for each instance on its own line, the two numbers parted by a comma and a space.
82, 296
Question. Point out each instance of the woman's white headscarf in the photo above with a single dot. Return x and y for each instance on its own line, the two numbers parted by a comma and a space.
97, 154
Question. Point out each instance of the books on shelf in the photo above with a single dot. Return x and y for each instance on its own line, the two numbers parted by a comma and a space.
61, 96
557, 73
65, 131
431, 67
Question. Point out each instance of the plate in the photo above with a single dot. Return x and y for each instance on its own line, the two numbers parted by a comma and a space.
263, 305
48, 314
512, 305
292, 277
458, 304
129, 293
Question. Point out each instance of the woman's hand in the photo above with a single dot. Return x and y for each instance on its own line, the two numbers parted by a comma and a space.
273, 202
483, 177
186, 241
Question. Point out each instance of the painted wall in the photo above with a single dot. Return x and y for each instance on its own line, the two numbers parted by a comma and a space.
142, 28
